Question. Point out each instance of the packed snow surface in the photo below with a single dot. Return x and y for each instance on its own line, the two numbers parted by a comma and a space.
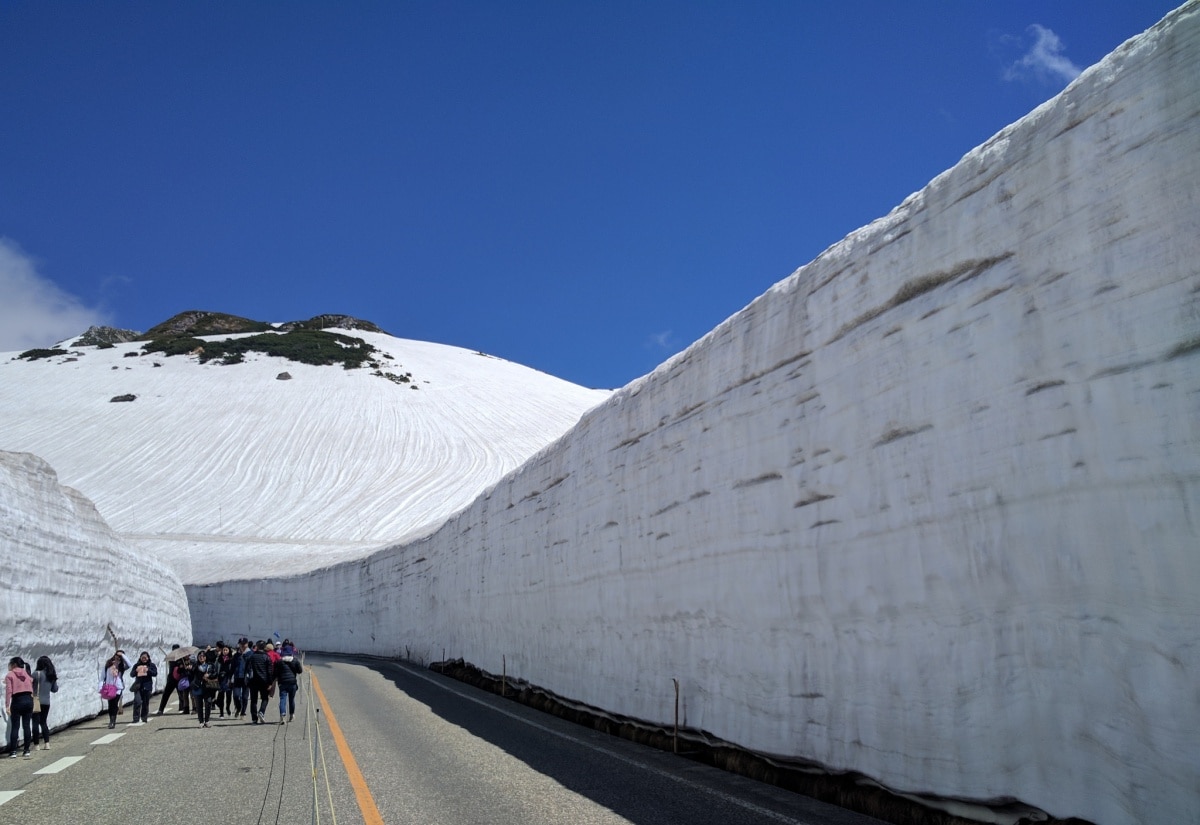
927, 510
73, 590
228, 471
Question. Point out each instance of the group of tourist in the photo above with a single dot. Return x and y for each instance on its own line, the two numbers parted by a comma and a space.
27, 702
234, 681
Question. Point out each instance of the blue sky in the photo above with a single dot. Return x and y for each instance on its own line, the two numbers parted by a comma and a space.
582, 187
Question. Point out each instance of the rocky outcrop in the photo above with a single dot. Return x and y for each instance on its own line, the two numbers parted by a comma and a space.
332, 322
201, 322
105, 336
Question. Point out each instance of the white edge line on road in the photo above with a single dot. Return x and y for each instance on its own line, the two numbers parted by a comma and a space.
108, 738
733, 800
60, 765
9, 796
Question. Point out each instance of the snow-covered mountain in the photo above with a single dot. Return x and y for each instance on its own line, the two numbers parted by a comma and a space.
926, 510
269, 466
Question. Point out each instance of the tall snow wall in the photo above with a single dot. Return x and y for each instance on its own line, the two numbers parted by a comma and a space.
70, 586
926, 510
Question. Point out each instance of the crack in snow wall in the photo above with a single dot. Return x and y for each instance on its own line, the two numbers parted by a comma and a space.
66, 579
926, 510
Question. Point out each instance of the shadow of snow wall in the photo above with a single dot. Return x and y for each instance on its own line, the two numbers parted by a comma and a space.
925, 510
73, 589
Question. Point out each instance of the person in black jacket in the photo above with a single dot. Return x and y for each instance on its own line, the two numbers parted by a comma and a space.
241, 677
286, 670
258, 668
144, 672
205, 684
172, 684
225, 666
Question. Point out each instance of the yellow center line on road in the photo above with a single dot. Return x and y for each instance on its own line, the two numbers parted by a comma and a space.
366, 802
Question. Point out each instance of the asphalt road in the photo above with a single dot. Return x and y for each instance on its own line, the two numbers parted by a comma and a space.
381, 742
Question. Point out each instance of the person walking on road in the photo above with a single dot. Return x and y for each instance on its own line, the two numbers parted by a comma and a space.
225, 667
286, 671
241, 677
204, 686
171, 686
45, 682
18, 703
144, 674
259, 671
112, 684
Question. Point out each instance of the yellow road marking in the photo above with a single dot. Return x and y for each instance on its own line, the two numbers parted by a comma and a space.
366, 802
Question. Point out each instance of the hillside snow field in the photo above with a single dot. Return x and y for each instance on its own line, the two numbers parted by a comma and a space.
229, 471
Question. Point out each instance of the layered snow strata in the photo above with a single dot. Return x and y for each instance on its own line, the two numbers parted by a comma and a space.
926, 510
71, 588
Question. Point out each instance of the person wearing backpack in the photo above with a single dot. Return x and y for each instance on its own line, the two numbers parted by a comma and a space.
286, 670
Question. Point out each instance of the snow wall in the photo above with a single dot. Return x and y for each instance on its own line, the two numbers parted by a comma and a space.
70, 584
926, 510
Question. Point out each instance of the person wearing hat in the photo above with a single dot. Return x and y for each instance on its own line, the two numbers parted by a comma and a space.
285, 672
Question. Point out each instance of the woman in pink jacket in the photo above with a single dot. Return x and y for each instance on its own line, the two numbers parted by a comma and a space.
18, 702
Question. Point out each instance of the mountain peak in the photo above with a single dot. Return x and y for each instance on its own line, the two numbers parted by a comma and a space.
195, 322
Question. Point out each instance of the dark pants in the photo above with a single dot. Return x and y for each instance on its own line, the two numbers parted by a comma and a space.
287, 697
204, 703
239, 699
39, 724
141, 702
114, 707
22, 715
166, 694
258, 699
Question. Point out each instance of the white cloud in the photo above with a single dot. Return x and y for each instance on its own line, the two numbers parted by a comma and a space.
34, 311
661, 340
1044, 61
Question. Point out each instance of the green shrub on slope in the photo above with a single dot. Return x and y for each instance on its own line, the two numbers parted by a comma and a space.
303, 345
